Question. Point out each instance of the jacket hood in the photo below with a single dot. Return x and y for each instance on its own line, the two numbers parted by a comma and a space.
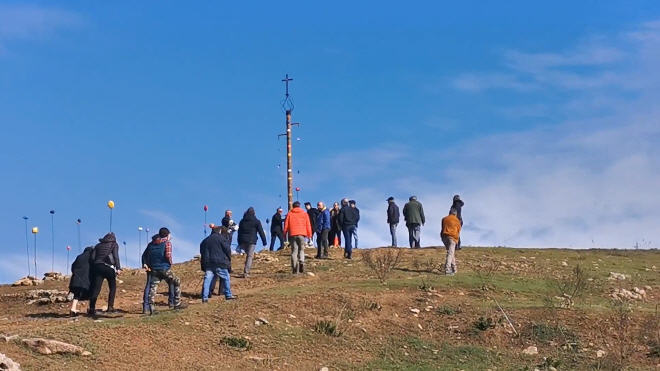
88, 249
298, 210
110, 237
249, 214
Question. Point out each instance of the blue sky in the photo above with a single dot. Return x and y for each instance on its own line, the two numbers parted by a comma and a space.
543, 117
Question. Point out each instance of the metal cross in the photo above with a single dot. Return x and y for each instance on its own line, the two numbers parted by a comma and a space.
286, 83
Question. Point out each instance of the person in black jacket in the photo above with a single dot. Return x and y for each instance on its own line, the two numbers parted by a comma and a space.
215, 259
393, 216
457, 204
335, 229
313, 214
276, 230
80, 279
348, 220
247, 237
104, 266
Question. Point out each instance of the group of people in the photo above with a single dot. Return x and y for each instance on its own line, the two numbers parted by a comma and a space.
299, 227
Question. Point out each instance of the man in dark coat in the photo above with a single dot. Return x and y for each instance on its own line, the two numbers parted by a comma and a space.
80, 282
215, 253
313, 215
392, 218
348, 220
413, 212
276, 230
335, 229
105, 265
457, 204
248, 229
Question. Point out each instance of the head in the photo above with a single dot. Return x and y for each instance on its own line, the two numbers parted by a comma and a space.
218, 229
163, 232
390, 199
249, 212
308, 205
344, 202
228, 213
412, 198
335, 205
351, 203
457, 198
296, 204
320, 205
453, 211
279, 210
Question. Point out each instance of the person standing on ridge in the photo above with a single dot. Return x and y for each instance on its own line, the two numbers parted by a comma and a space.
313, 214
348, 219
335, 229
158, 263
105, 266
276, 230
215, 251
353, 204
297, 227
248, 229
80, 282
413, 212
457, 204
392, 218
322, 230
451, 230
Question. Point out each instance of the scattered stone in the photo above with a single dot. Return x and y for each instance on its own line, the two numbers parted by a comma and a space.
324, 369
266, 258
311, 274
420, 326
261, 321
119, 282
564, 264
45, 297
8, 364
54, 276
292, 316
617, 276
600, 353
531, 351
8, 338
47, 346
28, 281
414, 310
197, 257
635, 294
647, 288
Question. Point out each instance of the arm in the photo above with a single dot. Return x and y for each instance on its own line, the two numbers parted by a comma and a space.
145, 260
115, 255
286, 225
421, 213
261, 232
168, 251
308, 226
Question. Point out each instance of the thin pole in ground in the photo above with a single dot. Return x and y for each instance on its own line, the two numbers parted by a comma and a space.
27, 245
52, 234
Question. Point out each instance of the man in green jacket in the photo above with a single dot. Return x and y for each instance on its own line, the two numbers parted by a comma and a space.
413, 212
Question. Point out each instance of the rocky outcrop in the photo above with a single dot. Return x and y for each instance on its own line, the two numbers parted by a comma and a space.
28, 281
47, 346
54, 276
45, 297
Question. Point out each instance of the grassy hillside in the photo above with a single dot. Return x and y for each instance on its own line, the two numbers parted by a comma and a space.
344, 318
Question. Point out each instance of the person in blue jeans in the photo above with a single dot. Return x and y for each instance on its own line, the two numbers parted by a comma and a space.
349, 217
145, 296
215, 259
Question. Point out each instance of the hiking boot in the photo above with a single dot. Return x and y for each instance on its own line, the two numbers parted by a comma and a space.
92, 313
153, 312
301, 268
180, 306
111, 311
233, 297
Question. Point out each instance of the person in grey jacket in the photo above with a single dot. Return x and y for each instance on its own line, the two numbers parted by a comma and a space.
392, 218
413, 212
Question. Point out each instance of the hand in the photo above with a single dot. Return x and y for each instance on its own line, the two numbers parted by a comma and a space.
118, 272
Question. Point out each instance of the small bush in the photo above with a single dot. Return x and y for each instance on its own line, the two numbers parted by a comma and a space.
573, 287
326, 327
382, 262
545, 333
621, 319
425, 286
236, 342
375, 306
448, 311
483, 324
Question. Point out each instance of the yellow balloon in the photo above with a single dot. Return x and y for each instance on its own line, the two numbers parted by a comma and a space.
111, 204
35, 230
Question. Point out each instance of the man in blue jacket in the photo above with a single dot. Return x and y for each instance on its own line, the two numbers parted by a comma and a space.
158, 263
216, 261
322, 230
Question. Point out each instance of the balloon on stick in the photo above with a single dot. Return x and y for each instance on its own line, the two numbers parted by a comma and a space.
68, 248
27, 244
139, 245
78, 221
297, 190
125, 254
111, 205
35, 231
52, 234
206, 208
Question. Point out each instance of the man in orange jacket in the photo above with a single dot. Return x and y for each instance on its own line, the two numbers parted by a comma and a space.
451, 230
297, 227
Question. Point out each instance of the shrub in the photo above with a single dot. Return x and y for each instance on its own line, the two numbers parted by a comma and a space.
382, 262
448, 311
483, 324
573, 286
326, 327
236, 342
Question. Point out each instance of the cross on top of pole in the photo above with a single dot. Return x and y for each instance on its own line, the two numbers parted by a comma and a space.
287, 102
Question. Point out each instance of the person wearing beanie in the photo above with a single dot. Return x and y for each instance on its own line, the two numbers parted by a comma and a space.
393, 216
413, 212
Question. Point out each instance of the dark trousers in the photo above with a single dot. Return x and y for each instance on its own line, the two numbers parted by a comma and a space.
103, 272
349, 231
331, 237
322, 244
273, 236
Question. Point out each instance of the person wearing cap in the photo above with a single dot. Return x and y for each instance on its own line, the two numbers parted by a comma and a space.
451, 230
413, 212
297, 227
457, 204
392, 218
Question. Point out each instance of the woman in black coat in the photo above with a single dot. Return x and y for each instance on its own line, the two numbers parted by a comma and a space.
80, 279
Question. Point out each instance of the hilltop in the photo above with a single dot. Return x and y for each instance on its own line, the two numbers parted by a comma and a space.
342, 317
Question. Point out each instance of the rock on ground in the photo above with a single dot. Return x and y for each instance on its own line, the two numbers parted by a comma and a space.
54, 276
47, 346
530, 351
614, 276
7, 363
45, 297
28, 281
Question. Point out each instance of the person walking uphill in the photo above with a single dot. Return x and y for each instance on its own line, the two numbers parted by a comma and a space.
457, 204
80, 282
215, 253
276, 230
392, 218
248, 228
297, 227
348, 219
451, 231
158, 264
413, 212
147, 286
105, 266
322, 230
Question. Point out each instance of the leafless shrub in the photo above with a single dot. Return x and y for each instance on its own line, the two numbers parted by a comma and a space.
621, 319
485, 272
382, 262
572, 287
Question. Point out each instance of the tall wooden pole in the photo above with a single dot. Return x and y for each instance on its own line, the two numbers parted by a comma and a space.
289, 162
